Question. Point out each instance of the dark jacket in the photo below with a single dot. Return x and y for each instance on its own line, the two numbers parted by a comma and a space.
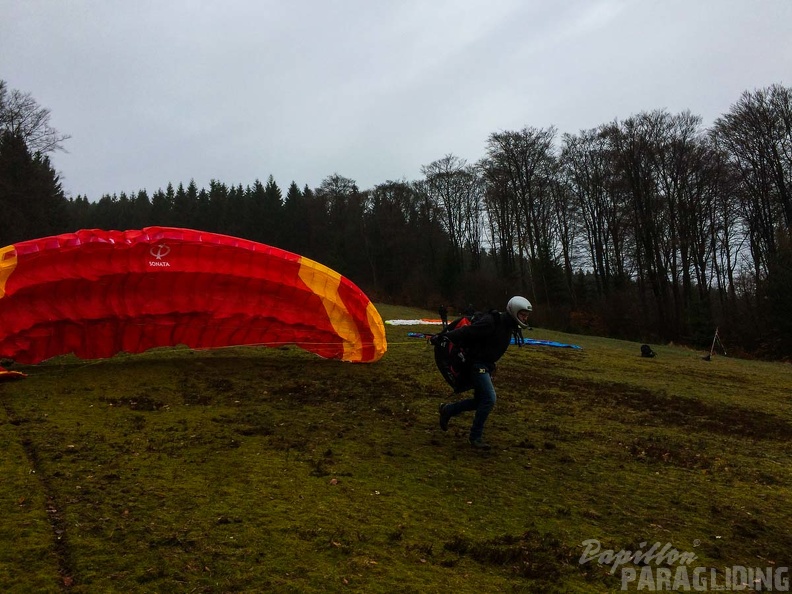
486, 338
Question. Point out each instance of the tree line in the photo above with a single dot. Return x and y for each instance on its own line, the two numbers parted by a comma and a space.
651, 228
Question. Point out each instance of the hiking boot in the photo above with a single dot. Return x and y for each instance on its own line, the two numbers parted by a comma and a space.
444, 418
480, 444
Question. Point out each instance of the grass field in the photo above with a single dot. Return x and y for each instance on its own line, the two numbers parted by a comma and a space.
271, 470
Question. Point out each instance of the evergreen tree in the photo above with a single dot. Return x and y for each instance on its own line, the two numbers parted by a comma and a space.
182, 208
161, 207
217, 206
31, 198
78, 213
141, 211
272, 213
291, 238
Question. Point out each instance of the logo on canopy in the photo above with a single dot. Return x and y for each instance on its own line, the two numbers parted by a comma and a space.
159, 252
162, 250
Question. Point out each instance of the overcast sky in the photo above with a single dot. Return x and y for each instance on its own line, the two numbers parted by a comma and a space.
158, 91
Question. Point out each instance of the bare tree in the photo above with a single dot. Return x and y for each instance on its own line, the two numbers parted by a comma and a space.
22, 116
727, 234
634, 143
526, 162
676, 162
757, 132
587, 173
456, 189
501, 216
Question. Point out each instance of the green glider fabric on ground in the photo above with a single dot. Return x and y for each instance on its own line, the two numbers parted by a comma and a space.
96, 293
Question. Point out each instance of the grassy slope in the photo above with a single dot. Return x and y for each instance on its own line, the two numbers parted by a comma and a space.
246, 470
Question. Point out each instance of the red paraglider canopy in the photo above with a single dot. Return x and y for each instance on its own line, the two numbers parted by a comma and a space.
96, 293
6, 375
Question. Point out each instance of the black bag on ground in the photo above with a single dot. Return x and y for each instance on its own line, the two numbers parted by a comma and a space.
646, 351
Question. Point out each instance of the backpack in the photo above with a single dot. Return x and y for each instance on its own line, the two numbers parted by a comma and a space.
646, 351
451, 358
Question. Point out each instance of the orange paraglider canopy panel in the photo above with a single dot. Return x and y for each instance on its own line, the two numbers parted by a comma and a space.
96, 293
6, 375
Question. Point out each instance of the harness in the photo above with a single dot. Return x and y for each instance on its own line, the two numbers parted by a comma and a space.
453, 360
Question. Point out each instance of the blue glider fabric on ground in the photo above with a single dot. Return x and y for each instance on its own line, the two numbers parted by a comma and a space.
550, 343
530, 341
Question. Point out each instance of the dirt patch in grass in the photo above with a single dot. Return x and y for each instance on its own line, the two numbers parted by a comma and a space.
57, 521
541, 557
660, 409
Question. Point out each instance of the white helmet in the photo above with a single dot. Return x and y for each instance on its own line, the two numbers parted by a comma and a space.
515, 306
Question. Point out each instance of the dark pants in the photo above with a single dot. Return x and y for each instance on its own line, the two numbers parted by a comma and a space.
482, 402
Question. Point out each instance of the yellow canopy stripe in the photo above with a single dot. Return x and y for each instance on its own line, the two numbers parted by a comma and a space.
377, 329
324, 282
8, 262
